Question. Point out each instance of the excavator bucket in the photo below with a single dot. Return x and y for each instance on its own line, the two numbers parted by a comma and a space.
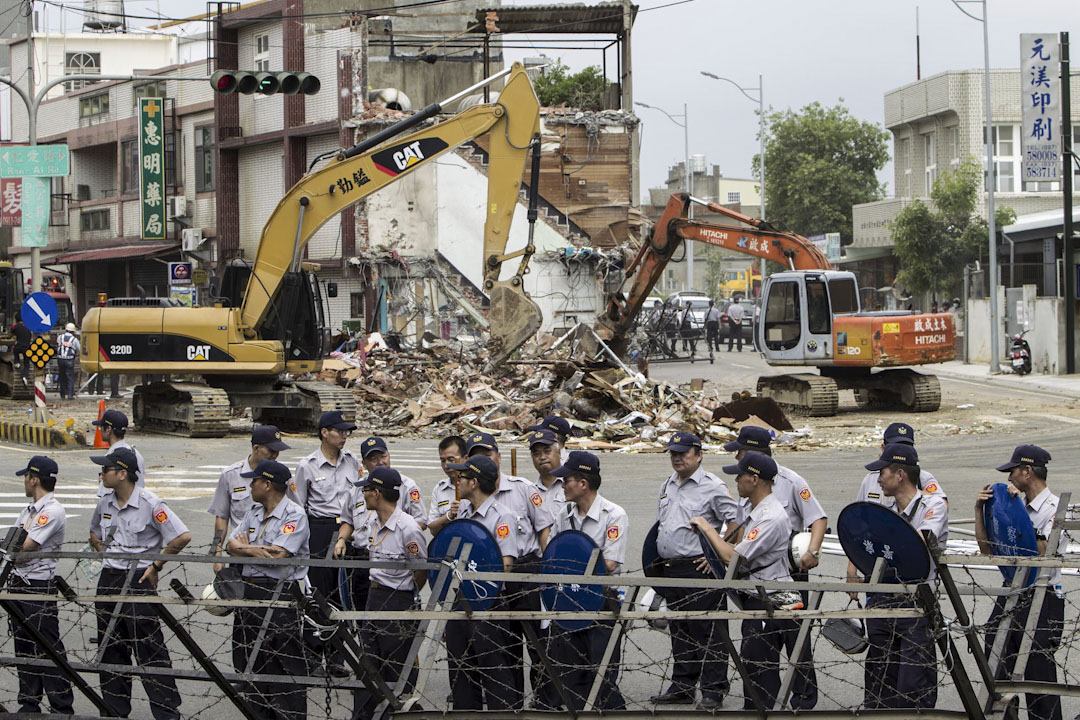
514, 319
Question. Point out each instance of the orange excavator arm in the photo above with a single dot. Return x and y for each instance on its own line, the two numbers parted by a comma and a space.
673, 227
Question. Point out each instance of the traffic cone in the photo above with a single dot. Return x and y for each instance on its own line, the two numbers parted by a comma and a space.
98, 442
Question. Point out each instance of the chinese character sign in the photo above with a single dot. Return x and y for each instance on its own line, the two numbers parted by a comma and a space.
11, 202
1040, 101
152, 168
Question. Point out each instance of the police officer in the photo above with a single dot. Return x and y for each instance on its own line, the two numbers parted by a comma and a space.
114, 425
393, 535
374, 453
901, 660
558, 425
44, 521
691, 491
545, 452
870, 491
804, 511
533, 525
274, 527
131, 519
479, 652
444, 500
323, 481
712, 327
763, 555
67, 349
579, 653
232, 496
735, 313
1027, 477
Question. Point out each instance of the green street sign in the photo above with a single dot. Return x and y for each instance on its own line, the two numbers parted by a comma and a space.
152, 167
17, 161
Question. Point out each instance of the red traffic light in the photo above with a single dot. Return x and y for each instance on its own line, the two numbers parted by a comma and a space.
244, 82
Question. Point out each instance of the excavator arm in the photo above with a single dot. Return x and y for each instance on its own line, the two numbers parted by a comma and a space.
673, 227
513, 122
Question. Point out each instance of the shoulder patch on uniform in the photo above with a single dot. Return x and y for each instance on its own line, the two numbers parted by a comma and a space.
503, 530
413, 548
414, 495
753, 533
42, 519
613, 532
161, 516
292, 486
929, 514
931, 488
536, 499
805, 494
289, 527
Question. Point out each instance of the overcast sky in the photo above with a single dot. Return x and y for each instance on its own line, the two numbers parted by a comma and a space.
807, 50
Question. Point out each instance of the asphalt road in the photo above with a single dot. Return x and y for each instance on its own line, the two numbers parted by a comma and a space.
185, 471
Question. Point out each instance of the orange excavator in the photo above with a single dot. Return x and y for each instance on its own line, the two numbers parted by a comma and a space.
810, 317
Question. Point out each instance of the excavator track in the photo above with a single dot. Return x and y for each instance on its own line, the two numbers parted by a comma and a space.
186, 409
917, 392
318, 397
801, 394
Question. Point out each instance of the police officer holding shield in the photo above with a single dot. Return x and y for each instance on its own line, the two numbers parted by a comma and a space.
901, 660
45, 522
579, 653
374, 453
691, 491
897, 433
545, 451
1027, 478
274, 527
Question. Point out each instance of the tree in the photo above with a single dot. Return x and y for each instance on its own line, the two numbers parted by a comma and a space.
583, 90
934, 243
818, 163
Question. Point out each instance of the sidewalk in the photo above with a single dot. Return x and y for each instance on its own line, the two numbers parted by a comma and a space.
1068, 385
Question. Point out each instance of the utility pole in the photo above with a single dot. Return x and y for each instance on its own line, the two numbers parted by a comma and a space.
1067, 187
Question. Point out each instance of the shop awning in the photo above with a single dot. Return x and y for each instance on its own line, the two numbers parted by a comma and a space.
113, 253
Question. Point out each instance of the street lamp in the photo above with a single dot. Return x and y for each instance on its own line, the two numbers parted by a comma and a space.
689, 178
760, 100
990, 180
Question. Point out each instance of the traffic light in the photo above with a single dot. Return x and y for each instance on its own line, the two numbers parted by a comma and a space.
246, 82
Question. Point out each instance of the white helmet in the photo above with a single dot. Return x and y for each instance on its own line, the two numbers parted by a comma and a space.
209, 593
650, 601
800, 545
70, 327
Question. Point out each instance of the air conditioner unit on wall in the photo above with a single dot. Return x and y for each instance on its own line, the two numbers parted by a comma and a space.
177, 207
191, 239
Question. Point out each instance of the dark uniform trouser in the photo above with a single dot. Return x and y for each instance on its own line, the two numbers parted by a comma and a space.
901, 660
526, 597
323, 534
760, 650
386, 642
281, 653
481, 666
712, 335
577, 655
67, 376
696, 645
33, 682
734, 333
137, 633
1041, 664
804, 689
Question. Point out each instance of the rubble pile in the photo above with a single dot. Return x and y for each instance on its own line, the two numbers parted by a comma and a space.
444, 387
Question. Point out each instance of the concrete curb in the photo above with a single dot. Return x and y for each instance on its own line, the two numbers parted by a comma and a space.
54, 437
1031, 383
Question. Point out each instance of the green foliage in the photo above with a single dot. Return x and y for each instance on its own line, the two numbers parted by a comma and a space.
583, 90
714, 271
934, 245
818, 163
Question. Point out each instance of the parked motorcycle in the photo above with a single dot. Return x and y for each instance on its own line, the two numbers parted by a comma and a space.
1020, 354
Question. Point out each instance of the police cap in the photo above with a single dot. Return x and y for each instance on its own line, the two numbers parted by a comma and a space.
268, 436
480, 466
755, 463
42, 466
1032, 455
270, 470
579, 462
750, 438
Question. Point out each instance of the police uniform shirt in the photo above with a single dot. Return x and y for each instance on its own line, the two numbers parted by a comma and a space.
141, 482
399, 539
143, 525
1042, 510
554, 497
712, 315
605, 522
232, 497
702, 494
410, 499
523, 500
44, 522
286, 527
441, 496
928, 512
764, 547
870, 490
321, 487
793, 492
499, 522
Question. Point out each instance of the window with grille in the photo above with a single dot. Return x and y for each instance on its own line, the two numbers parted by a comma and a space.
90, 220
204, 158
81, 63
734, 197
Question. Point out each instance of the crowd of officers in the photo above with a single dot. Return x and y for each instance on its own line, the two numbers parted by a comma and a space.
345, 505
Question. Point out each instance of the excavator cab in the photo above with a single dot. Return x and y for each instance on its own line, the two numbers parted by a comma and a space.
798, 314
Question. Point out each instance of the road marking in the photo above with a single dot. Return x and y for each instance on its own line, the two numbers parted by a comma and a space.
744, 367
991, 385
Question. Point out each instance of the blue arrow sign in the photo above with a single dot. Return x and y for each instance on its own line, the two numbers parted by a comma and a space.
39, 312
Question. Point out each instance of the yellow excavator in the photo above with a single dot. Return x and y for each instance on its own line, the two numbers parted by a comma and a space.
247, 351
